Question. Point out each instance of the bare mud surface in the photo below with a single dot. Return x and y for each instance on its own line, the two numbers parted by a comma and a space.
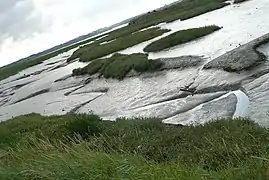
223, 75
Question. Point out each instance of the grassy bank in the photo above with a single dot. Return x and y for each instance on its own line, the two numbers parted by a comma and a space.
95, 50
119, 65
180, 37
84, 147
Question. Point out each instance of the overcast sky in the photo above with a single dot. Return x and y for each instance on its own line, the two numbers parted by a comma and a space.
30, 26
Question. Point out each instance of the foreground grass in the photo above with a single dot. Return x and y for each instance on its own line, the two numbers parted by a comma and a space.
85, 147
95, 50
180, 37
119, 65
44, 160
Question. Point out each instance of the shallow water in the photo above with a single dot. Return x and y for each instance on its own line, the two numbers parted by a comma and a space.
242, 107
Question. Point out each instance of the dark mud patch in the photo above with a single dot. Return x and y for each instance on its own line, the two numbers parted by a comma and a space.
178, 63
181, 62
63, 78
101, 90
29, 75
3, 95
219, 88
244, 57
59, 66
16, 87
4, 101
34, 95
98, 90
39, 72
259, 74
239, 1
188, 108
22, 77
70, 92
76, 82
168, 99
79, 86
182, 106
74, 110
224, 107
53, 102
52, 63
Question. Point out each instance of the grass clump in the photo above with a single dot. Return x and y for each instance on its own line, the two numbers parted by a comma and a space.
180, 37
119, 65
85, 147
53, 127
81, 50
95, 51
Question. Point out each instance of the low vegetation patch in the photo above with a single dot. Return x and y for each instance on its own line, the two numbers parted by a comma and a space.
119, 65
85, 147
95, 50
180, 37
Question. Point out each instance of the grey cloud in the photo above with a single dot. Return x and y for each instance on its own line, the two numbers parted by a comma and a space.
17, 19
6, 5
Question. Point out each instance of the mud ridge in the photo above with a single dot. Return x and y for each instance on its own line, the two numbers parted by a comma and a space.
244, 57
33, 95
74, 110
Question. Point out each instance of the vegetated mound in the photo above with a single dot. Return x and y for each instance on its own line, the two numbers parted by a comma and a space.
119, 65
95, 50
65, 147
180, 37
